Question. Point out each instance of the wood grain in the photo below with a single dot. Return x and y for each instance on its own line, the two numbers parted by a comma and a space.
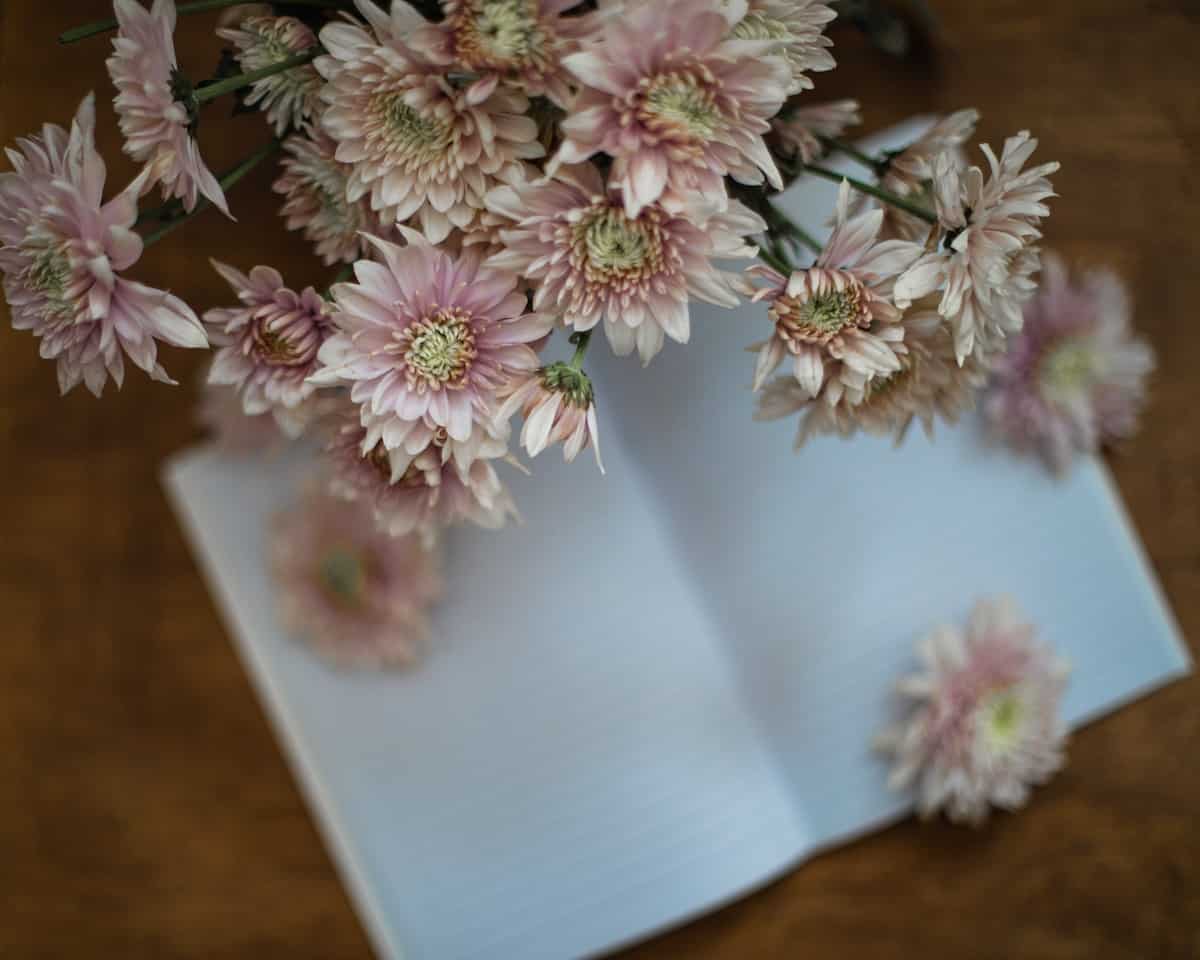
144, 807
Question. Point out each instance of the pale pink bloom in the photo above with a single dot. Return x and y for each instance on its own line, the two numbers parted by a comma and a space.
521, 42
985, 727
835, 321
591, 261
419, 145
314, 185
799, 131
797, 25
558, 405
676, 102
232, 16
233, 431
289, 98
423, 335
1074, 377
984, 228
61, 248
929, 386
422, 490
359, 597
152, 104
269, 342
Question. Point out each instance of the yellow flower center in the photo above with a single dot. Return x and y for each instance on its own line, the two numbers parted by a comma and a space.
414, 136
1000, 718
342, 573
499, 34
818, 317
612, 248
680, 103
1068, 368
440, 350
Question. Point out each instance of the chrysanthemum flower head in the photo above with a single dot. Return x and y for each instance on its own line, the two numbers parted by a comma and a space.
799, 131
269, 342
152, 107
986, 228
358, 596
292, 97
985, 727
420, 145
591, 261
797, 25
676, 101
423, 335
61, 250
1074, 377
558, 405
836, 321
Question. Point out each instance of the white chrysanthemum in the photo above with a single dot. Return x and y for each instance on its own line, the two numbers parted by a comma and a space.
288, 98
798, 26
986, 725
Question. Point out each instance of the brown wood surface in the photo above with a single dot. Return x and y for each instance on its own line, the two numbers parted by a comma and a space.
145, 810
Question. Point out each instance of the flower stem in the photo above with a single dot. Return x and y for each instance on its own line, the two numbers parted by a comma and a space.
899, 203
196, 6
226, 181
775, 260
834, 145
580, 338
213, 90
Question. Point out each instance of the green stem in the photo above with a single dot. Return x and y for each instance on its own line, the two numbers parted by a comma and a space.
581, 339
775, 260
833, 145
227, 181
197, 6
213, 90
899, 203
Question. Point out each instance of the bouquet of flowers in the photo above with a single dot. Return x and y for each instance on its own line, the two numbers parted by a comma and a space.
493, 176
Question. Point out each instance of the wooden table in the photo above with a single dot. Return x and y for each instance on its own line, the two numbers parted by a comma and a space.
145, 810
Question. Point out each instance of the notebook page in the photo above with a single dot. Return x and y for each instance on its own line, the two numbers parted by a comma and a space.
823, 567
570, 768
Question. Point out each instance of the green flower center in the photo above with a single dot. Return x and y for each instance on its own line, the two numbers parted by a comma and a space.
572, 383
820, 317
440, 349
342, 573
756, 25
407, 128
50, 275
1000, 719
614, 243
501, 34
1068, 368
679, 103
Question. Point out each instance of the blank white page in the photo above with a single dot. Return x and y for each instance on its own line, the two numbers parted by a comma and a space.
822, 568
571, 767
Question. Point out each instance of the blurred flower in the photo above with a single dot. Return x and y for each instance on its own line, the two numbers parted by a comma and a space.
836, 319
268, 344
61, 249
424, 335
929, 385
676, 104
592, 261
314, 185
288, 98
985, 227
986, 726
358, 596
516, 41
1074, 377
233, 431
558, 405
800, 130
151, 104
419, 145
421, 490
799, 25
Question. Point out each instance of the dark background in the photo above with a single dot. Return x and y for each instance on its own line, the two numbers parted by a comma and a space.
144, 807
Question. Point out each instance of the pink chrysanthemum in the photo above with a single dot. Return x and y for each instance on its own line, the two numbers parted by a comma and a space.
836, 320
797, 25
289, 98
423, 335
676, 102
269, 343
154, 120
985, 230
929, 386
986, 725
801, 130
424, 489
418, 144
517, 41
591, 261
314, 185
359, 597
1074, 377
61, 249
558, 405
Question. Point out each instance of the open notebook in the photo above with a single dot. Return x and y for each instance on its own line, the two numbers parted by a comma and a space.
659, 692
